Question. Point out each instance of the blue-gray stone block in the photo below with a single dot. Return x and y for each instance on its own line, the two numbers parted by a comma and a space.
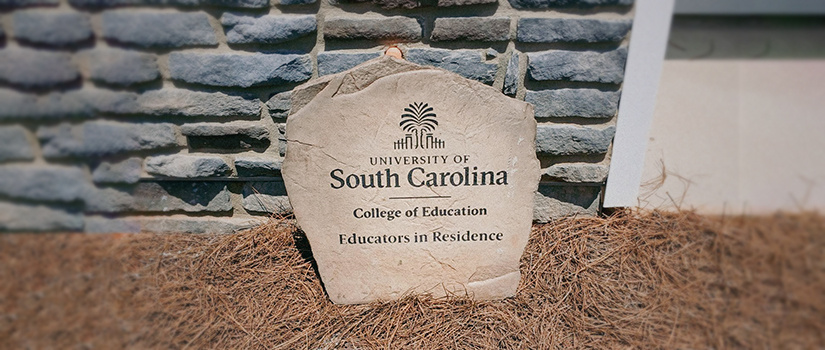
585, 103
398, 28
467, 63
582, 66
551, 30
512, 75
534, 4
295, 2
101, 138
335, 62
160, 197
239, 70
43, 182
122, 67
158, 28
566, 140
471, 29
269, 29
280, 104
127, 171
15, 144
52, 27
37, 218
247, 165
266, 197
186, 103
188, 166
36, 68
249, 4
27, 3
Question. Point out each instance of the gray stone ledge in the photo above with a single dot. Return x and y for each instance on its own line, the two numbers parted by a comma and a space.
536, 4
566, 140
257, 165
122, 67
52, 27
584, 103
127, 172
471, 29
160, 197
102, 138
398, 28
43, 182
336, 62
266, 197
31, 68
239, 70
146, 28
269, 29
577, 30
187, 166
577, 172
583, 66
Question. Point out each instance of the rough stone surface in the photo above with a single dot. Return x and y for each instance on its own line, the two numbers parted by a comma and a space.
88, 101
269, 29
52, 27
34, 218
565, 140
511, 78
250, 4
122, 67
160, 197
586, 103
395, 29
252, 166
233, 135
186, 103
445, 3
528, 4
127, 171
30, 68
266, 197
43, 182
236, 70
554, 201
471, 29
158, 28
335, 62
467, 63
551, 30
295, 2
279, 105
577, 172
15, 144
169, 224
241, 4
188, 166
586, 66
101, 138
26, 3
250, 129
468, 114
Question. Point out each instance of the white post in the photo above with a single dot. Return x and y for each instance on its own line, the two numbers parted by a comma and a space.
648, 40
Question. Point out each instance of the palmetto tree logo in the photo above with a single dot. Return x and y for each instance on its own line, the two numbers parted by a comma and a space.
418, 121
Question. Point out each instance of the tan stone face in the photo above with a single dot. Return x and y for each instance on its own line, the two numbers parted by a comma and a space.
412, 180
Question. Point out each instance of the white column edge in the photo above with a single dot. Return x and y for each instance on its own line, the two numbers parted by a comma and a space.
646, 53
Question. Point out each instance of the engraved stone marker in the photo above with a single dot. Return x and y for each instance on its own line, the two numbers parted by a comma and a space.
409, 179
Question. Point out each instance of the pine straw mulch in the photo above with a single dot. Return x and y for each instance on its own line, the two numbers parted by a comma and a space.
635, 279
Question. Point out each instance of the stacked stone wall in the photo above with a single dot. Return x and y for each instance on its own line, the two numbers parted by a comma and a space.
169, 115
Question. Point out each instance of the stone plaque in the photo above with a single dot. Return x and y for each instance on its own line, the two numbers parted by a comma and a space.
409, 179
